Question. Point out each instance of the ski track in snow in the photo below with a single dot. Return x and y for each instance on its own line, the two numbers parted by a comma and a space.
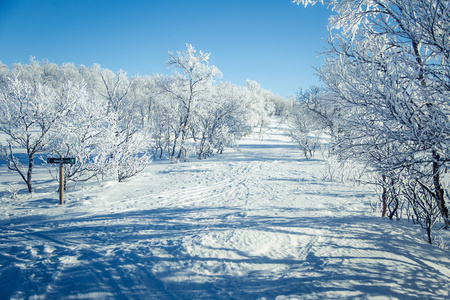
258, 223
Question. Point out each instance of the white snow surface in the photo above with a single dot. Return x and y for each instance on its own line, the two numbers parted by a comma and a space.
254, 223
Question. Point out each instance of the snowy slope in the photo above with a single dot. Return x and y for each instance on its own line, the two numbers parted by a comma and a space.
258, 223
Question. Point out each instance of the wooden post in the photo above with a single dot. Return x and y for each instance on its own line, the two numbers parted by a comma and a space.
61, 183
61, 161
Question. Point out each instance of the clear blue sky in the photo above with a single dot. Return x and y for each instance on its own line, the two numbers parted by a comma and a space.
273, 42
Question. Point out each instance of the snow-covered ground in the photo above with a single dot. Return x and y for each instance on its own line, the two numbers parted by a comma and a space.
258, 223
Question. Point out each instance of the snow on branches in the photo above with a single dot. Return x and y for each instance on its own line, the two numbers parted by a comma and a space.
387, 68
115, 124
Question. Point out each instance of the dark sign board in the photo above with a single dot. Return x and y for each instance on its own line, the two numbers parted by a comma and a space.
58, 160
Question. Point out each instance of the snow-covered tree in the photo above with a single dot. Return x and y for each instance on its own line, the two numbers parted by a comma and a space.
259, 104
29, 114
80, 135
388, 68
4, 71
188, 90
224, 120
123, 140
311, 114
108, 121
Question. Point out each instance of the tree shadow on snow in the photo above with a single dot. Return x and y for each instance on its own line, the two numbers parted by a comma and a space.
146, 255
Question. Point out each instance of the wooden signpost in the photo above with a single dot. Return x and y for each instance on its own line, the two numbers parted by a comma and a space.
61, 161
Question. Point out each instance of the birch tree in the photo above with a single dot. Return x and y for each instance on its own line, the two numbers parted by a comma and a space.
29, 115
123, 140
193, 86
223, 121
388, 65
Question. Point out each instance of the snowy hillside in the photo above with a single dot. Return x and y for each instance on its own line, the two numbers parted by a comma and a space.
258, 223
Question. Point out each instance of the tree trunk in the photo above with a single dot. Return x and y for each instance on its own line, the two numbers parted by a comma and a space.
183, 143
393, 201
173, 148
384, 197
439, 191
29, 172
179, 153
428, 228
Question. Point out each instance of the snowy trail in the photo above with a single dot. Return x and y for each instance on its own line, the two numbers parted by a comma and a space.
258, 223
